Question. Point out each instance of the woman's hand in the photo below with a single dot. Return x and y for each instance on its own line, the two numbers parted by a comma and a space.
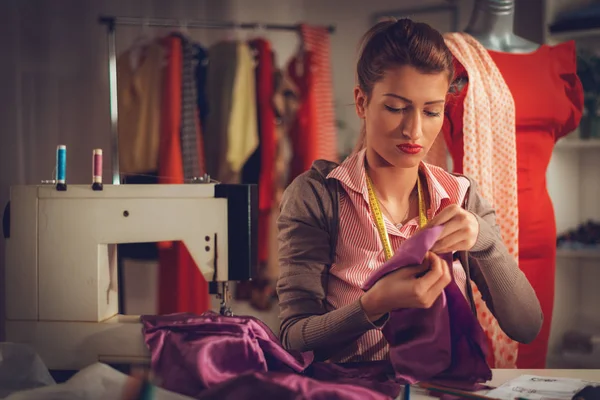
410, 287
460, 232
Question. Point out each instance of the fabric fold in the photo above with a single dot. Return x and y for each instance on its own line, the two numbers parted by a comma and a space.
443, 343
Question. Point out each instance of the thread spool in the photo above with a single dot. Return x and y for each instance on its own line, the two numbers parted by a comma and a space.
97, 169
61, 167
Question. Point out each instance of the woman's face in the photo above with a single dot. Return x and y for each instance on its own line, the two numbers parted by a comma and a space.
403, 115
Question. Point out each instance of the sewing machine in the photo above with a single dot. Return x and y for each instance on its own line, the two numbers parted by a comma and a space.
61, 261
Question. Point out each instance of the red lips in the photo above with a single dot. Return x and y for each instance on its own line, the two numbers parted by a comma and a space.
410, 148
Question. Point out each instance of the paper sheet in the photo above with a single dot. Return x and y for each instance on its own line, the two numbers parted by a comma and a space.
533, 387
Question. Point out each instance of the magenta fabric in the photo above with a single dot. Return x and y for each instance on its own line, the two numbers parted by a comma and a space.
213, 356
443, 344
284, 386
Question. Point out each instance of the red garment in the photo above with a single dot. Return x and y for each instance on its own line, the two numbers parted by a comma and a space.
266, 124
182, 288
549, 101
315, 40
304, 131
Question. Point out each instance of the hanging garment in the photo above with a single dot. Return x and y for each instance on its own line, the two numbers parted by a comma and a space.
232, 131
139, 94
316, 41
219, 95
210, 354
262, 296
304, 132
285, 103
201, 61
192, 147
490, 159
266, 150
548, 99
181, 285
260, 170
443, 343
242, 132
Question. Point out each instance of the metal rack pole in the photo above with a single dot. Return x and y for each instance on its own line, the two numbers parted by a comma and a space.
197, 24
113, 98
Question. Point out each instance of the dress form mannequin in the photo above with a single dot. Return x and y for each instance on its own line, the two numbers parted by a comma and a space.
548, 101
492, 24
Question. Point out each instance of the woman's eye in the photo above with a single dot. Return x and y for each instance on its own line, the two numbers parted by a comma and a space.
395, 110
432, 114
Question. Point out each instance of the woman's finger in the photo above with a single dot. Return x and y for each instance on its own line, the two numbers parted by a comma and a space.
444, 216
458, 246
445, 278
413, 270
432, 275
450, 227
449, 242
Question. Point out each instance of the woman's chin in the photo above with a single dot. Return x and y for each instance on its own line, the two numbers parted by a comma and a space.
407, 160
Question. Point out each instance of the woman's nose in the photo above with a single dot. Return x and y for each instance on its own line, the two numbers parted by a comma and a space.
412, 126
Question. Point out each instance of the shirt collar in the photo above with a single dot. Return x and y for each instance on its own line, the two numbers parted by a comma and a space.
439, 197
351, 173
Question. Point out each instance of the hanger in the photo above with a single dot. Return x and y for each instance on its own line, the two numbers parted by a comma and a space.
259, 31
299, 59
256, 30
140, 44
183, 27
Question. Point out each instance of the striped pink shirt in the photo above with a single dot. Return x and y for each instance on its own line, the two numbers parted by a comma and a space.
359, 250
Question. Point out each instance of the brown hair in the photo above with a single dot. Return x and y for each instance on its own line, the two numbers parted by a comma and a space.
394, 43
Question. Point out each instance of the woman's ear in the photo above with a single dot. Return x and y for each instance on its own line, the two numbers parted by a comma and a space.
360, 102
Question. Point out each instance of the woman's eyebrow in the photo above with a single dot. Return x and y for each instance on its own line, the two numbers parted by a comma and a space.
410, 101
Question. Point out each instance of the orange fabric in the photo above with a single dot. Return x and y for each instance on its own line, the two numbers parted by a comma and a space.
304, 132
314, 133
490, 159
315, 40
170, 166
548, 102
266, 122
182, 288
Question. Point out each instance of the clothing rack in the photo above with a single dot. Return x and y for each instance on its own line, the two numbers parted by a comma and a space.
111, 23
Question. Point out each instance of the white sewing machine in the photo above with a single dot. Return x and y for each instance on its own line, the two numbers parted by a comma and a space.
61, 264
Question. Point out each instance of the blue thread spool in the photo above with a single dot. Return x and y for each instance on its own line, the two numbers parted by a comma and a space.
61, 167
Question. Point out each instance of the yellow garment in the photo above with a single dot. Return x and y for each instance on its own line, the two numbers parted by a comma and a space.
219, 94
139, 93
242, 132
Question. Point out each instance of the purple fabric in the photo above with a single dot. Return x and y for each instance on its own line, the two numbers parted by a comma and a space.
197, 352
443, 344
283, 386
216, 357
213, 356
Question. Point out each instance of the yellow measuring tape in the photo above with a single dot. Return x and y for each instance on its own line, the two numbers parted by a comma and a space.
374, 204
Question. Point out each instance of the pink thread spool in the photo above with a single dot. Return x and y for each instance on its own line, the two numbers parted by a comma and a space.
97, 169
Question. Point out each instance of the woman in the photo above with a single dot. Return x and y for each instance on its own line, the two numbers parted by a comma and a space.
329, 241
